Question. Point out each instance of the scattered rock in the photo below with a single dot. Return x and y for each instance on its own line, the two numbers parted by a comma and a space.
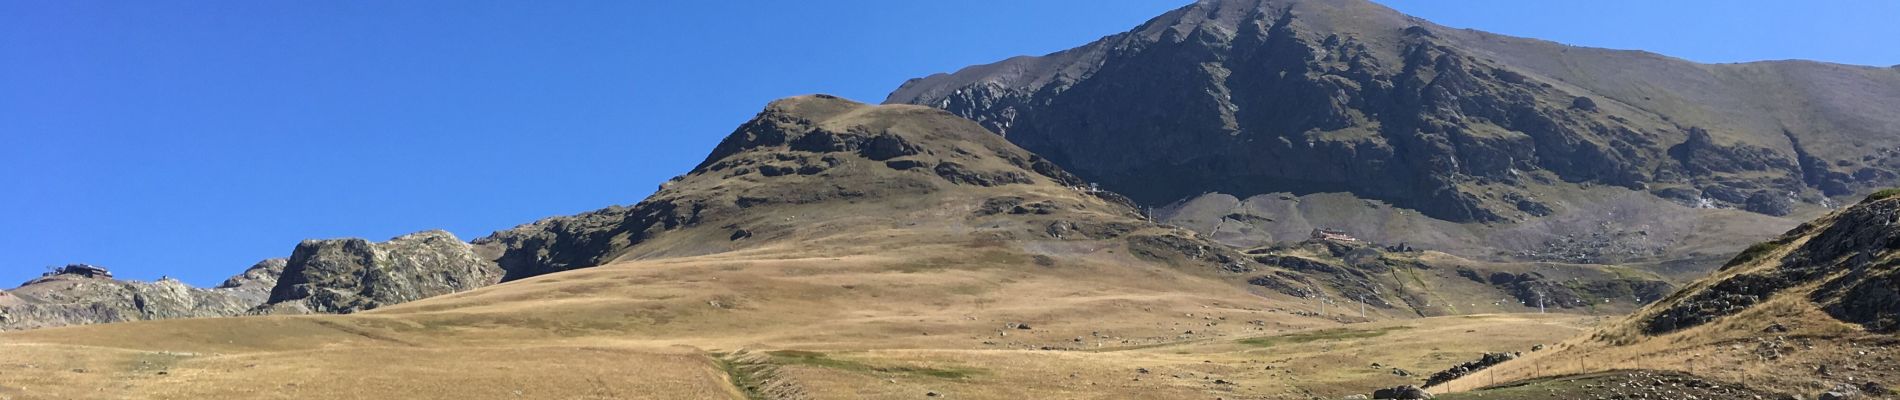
904, 165
1460, 370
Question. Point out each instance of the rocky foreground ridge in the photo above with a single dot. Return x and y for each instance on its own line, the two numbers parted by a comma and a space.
1844, 264
1812, 313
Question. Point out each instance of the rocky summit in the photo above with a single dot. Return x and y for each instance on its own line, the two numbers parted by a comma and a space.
819, 154
1256, 97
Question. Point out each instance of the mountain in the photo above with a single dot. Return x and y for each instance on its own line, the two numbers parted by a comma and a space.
828, 249
1813, 311
85, 294
815, 164
1260, 99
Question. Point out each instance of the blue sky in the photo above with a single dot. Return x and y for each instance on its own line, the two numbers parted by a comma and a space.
192, 139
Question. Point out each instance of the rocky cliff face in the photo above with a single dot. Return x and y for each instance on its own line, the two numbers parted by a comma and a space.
1260, 96
350, 275
70, 297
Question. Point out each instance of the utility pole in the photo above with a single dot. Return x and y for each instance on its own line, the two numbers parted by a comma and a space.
1362, 307
1540, 302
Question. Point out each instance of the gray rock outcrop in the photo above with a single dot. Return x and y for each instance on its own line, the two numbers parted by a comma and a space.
351, 275
82, 294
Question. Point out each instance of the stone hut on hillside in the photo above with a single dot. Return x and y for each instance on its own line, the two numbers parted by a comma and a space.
85, 270
1333, 235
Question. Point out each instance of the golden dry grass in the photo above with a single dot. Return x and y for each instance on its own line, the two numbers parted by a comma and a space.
893, 326
1741, 348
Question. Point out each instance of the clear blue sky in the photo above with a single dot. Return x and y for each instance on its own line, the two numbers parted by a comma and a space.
192, 138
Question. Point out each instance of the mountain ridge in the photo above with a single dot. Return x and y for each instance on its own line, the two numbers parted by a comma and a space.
1259, 98
827, 249
812, 155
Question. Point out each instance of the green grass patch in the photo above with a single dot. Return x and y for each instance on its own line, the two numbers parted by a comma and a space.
821, 360
1324, 334
1883, 194
743, 376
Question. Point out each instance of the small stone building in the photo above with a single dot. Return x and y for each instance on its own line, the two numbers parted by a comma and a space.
1333, 235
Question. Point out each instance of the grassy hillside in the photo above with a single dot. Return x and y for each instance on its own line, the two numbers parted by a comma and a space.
1801, 314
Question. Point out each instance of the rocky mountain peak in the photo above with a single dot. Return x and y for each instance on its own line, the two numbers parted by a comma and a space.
832, 126
1255, 98
798, 151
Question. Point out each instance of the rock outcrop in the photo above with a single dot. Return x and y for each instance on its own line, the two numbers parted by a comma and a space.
1407, 392
82, 294
350, 275
256, 282
1458, 371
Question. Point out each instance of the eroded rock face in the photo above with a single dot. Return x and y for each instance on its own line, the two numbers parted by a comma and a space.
350, 275
77, 297
1246, 97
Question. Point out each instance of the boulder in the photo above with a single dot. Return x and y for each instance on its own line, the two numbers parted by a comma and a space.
1770, 203
1407, 392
